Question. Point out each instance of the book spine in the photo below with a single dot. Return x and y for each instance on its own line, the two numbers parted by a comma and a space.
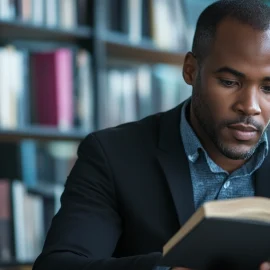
64, 88
44, 80
29, 163
18, 220
5, 221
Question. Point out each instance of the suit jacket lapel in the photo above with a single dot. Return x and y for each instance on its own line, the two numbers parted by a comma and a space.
262, 177
172, 158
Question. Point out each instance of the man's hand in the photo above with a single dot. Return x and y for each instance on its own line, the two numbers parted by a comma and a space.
265, 266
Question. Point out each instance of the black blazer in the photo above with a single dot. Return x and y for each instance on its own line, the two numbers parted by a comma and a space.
128, 193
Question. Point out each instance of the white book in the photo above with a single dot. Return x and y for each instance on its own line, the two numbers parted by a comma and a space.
19, 217
178, 25
144, 90
4, 9
135, 20
161, 24
85, 90
38, 12
38, 224
20, 86
2, 81
16, 84
68, 13
129, 112
51, 13
12, 88
5, 96
28, 225
114, 98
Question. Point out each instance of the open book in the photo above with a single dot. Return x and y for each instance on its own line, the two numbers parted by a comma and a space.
235, 232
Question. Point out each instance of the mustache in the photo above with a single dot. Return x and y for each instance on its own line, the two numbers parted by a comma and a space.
246, 120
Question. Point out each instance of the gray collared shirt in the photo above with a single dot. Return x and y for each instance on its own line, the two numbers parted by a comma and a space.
211, 182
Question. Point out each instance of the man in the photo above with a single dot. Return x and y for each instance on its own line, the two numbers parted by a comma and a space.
133, 186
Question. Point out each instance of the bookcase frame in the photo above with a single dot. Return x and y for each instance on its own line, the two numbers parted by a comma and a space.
103, 46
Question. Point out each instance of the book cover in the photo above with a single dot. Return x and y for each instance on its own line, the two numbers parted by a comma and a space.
235, 232
52, 77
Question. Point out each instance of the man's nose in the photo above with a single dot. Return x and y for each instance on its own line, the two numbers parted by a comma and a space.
247, 102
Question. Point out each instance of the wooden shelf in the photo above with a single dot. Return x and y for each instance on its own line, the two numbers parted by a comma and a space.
24, 30
41, 133
46, 190
15, 265
118, 46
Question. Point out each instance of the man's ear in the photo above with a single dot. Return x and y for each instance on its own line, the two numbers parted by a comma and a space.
190, 68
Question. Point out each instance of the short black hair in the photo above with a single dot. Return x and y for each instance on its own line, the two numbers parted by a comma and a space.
252, 12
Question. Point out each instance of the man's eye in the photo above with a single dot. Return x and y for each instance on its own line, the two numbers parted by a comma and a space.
227, 83
266, 89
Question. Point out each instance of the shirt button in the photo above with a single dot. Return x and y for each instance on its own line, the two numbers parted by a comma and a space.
227, 184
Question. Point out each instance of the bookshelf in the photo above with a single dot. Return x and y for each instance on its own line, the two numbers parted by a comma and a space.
40, 133
118, 46
25, 30
15, 265
119, 69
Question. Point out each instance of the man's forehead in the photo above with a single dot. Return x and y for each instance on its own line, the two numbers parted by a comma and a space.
232, 32
238, 40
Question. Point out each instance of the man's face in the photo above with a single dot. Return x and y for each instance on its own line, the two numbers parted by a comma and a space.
231, 92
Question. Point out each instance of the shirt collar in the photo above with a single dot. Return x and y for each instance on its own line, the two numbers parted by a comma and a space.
192, 144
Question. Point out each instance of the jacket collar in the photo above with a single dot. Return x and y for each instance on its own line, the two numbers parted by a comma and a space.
174, 163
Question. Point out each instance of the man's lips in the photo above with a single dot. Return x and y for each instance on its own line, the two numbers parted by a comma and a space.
243, 132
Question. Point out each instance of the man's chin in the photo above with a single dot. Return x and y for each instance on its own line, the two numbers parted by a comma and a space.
237, 152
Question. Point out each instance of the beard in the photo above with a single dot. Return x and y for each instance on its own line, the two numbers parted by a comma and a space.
204, 116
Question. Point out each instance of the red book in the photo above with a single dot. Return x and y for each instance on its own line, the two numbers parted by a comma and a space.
53, 88
5, 221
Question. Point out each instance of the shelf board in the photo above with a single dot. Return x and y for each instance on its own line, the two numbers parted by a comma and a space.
16, 265
119, 46
25, 30
40, 133
47, 190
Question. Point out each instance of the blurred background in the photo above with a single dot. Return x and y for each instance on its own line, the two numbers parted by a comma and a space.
68, 68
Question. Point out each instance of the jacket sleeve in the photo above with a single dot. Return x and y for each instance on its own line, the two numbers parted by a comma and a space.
85, 231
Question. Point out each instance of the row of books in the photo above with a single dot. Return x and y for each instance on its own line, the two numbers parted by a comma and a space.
40, 165
161, 20
28, 205
24, 220
55, 88
50, 88
136, 92
66, 14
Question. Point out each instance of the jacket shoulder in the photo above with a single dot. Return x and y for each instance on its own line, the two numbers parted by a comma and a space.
142, 131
